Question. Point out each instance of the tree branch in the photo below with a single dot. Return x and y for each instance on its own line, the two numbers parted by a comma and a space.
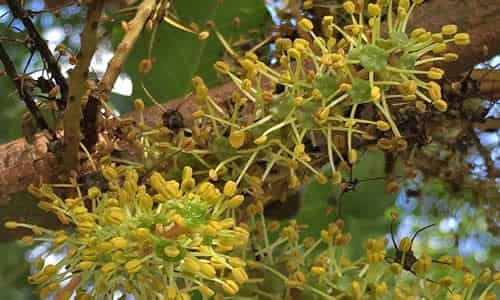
114, 69
53, 66
78, 85
23, 89
21, 164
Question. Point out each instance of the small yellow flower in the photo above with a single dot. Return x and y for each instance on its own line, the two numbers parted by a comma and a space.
206, 291
440, 105
221, 67
305, 25
317, 270
133, 266
207, 270
435, 73
10, 225
119, 243
373, 10
237, 138
449, 29
230, 287
383, 125
352, 156
461, 39
260, 140
235, 201
349, 7
239, 275
85, 265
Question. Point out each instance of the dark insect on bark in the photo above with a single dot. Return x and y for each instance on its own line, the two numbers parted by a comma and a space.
173, 120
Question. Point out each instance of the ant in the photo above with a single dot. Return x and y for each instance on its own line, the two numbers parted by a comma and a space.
350, 186
409, 256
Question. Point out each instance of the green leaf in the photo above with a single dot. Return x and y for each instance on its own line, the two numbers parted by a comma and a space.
399, 38
179, 56
360, 91
281, 107
305, 114
222, 149
407, 61
373, 58
326, 84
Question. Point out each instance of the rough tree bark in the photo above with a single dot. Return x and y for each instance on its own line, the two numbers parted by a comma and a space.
22, 164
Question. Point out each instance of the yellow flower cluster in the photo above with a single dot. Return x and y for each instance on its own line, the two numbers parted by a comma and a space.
153, 238
335, 89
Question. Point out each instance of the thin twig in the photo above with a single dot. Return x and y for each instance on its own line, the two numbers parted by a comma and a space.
22, 89
114, 68
78, 87
41, 45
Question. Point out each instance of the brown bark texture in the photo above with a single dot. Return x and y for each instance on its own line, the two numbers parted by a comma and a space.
22, 164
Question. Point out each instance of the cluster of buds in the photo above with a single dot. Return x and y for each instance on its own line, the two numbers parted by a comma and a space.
154, 239
335, 89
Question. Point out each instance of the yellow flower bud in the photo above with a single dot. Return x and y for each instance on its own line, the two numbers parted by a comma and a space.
221, 67
11, 225
305, 25
440, 105
207, 270
237, 138
485, 275
449, 29
446, 281
171, 293
230, 188
352, 156
356, 289
349, 7
190, 265
119, 242
203, 35
439, 48
206, 291
94, 193
450, 57
236, 201
318, 270
85, 227
294, 53
461, 39
230, 287
133, 266
109, 267
375, 93
468, 279
435, 73
373, 10
383, 125
381, 289
171, 251
109, 173
260, 140
239, 275
138, 106
85, 265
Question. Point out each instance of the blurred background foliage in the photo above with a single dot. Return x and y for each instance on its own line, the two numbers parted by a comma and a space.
465, 225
